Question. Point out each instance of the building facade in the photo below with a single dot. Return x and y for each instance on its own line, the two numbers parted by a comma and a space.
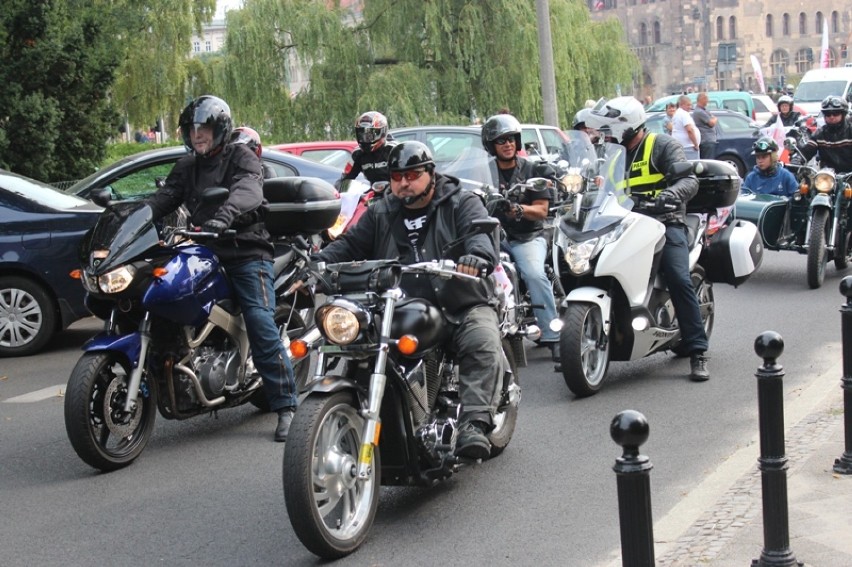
708, 44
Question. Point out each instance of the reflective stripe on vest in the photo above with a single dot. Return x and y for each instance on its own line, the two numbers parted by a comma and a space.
639, 178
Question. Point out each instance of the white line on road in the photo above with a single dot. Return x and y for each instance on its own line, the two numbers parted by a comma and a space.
39, 395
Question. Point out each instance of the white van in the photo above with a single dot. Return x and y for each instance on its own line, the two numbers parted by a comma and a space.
820, 83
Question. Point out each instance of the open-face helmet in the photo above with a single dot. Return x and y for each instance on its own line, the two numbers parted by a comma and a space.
206, 111
371, 129
764, 145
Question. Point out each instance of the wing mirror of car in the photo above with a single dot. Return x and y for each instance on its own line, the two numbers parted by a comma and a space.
102, 197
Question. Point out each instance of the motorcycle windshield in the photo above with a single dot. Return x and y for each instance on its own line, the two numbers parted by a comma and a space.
578, 151
123, 232
474, 167
602, 201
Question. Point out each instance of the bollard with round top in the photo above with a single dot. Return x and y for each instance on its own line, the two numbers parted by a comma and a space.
843, 465
629, 429
773, 461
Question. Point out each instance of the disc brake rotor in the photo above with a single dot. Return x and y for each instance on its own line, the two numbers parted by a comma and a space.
117, 421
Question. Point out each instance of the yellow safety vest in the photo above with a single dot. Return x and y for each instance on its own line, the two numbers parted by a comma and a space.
640, 178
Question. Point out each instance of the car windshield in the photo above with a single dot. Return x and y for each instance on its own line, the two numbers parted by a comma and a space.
40, 193
818, 90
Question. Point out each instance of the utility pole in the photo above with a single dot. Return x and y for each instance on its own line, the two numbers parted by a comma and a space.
545, 57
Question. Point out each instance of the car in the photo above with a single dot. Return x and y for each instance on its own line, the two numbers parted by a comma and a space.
737, 101
39, 239
764, 108
333, 154
736, 135
136, 176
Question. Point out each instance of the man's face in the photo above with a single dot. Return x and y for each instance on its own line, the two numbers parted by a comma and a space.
833, 117
410, 184
784, 107
702, 100
670, 110
686, 105
763, 161
505, 148
201, 137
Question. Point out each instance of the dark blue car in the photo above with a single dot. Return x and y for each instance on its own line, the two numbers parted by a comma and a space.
40, 229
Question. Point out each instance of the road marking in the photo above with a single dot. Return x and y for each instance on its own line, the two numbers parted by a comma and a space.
57, 391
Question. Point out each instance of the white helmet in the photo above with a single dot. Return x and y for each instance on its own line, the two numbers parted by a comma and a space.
620, 118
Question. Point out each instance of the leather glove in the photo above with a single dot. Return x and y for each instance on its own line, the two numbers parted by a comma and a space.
517, 212
666, 198
215, 226
499, 207
480, 266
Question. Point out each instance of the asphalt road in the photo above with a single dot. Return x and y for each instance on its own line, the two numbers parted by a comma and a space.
207, 491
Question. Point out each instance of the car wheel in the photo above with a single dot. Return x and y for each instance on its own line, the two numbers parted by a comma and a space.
27, 316
736, 162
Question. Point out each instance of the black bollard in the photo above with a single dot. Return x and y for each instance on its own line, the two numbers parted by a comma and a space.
630, 430
843, 465
773, 461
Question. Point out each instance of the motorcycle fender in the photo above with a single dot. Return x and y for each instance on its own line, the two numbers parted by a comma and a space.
629, 259
588, 294
129, 345
821, 200
331, 384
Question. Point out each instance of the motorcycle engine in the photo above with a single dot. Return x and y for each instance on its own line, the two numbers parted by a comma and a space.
215, 369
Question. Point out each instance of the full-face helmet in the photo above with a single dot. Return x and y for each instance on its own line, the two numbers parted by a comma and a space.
206, 111
249, 137
500, 126
371, 129
620, 118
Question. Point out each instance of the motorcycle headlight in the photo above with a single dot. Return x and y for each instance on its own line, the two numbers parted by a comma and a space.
117, 280
579, 255
573, 182
340, 324
824, 182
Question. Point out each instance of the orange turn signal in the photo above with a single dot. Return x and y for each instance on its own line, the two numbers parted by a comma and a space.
847, 192
76, 274
407, 344
803, 188
160, 272
299, 348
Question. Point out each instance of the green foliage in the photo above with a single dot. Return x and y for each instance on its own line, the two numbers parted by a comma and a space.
117, 151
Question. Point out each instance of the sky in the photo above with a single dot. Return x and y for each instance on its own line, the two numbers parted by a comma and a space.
222, 5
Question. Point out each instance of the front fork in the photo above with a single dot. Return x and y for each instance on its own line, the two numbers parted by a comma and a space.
378, 379
139, 366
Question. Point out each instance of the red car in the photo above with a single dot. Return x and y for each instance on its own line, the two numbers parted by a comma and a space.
333, 154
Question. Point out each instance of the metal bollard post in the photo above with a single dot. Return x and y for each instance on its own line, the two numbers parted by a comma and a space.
843, 465
630, 430
773, 461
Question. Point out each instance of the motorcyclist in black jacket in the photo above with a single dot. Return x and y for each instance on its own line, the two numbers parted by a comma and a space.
785, 112
832, 141
374, 146
205, 125
424, 211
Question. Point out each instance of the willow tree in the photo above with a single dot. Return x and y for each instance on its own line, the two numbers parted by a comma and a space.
421, 62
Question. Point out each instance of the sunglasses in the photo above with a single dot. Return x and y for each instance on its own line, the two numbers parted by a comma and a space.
410, 176
501, 141
832, 113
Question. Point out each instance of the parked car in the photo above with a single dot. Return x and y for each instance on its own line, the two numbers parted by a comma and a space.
39, 237
135, 177
738, 101
333, 154
736, 134
764, 108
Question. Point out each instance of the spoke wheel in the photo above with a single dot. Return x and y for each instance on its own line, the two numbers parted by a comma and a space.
101, 432
817, 254
331, 510
585, 349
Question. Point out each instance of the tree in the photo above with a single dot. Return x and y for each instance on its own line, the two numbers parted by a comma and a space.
442, 61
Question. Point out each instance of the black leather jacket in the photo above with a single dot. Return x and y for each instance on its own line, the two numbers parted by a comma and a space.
834, 145
381, 234
239, 169
788, 119
374, 165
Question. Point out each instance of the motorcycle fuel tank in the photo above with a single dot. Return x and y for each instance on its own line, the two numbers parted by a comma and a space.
420, 318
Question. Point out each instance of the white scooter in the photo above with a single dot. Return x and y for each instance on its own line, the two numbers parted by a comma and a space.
617, 306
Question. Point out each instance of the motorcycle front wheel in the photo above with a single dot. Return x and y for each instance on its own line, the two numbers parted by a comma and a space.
331, 510
102, 434
506, 415
584, 348
817, 254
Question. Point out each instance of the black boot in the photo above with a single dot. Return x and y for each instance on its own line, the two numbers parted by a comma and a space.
472, 443
285, 418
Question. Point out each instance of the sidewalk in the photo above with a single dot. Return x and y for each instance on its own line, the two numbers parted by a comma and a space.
720, 523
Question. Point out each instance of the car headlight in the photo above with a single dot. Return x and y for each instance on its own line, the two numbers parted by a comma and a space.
340, 324
824, 182
117, 280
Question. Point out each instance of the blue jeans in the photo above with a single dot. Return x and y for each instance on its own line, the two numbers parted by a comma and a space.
675, 271
252, 283
529, 258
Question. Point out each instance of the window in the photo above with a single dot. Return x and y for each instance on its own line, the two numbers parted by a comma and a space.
778, 62
732, 28
835, 22
643, 34
819, 20
720, 28
785, 24
803, 24
657, 33
196, 46
208, 46
804, 60
768, 25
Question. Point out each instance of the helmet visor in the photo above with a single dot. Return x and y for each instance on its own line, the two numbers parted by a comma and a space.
369, 135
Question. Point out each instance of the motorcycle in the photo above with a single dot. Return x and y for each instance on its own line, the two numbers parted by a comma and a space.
174, 339
607, 255
814, 221
391, 417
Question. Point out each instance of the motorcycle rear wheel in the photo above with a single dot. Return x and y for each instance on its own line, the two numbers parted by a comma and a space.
102, 435
507, 414
817, 254
330, 509
584, 348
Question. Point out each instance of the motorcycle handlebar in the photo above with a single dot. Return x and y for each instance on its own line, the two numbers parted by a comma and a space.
197, 233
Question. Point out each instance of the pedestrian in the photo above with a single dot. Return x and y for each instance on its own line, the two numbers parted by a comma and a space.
684, 130
706, 124
206, 128
668, 125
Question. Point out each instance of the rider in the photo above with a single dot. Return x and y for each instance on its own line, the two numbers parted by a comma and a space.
580, 124
648, 156
833, 141
205, 126
785, 112
767, 176
523, 218
424, 212
374, 146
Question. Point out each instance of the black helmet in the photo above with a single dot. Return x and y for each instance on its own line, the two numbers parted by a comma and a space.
500, 126
371, 129
410, 155
207, 111
834, 104
764, 145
